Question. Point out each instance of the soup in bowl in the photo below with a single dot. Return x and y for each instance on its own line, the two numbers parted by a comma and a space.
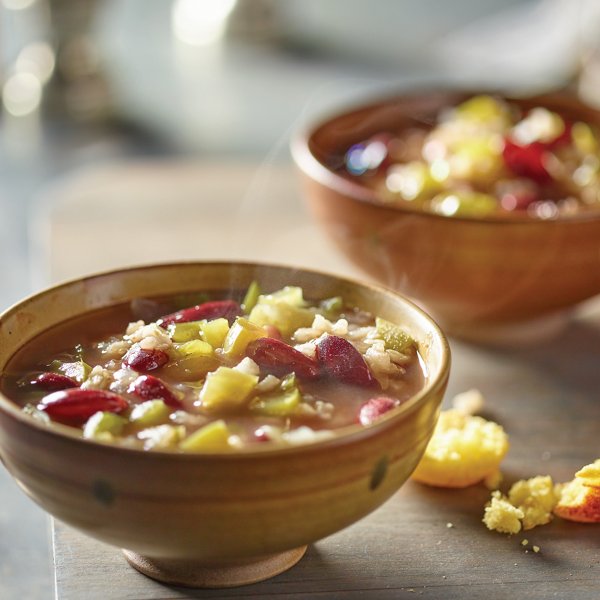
212, 419
485, 209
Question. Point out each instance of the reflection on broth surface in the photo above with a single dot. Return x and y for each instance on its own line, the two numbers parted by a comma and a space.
203, 373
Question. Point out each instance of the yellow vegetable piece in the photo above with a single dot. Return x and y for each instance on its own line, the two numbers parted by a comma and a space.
484, 109
214, 332
226, 389
103, 425
213, 437
463, 450
149, 413
241, 333
195, 348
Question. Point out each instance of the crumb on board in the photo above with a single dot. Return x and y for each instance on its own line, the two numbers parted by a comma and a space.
524, 542
500, 515
536, 549
463, 450
449, 525
468, 403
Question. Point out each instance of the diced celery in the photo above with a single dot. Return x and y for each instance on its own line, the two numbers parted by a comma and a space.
332, 306
226, 389
103, 425
162, 436
215, 331
149, 413
284, 316
195, 348
78, 370
289, 382
251, 297
279, 404
184, 332
213, 437
190, 368
395, 337
241, 333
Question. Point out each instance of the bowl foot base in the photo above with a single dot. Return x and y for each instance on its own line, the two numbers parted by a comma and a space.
191, 573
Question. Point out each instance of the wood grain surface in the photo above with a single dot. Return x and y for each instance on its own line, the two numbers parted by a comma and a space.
423, 542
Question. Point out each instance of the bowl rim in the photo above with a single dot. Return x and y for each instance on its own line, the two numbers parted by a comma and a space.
312, 167
342, 435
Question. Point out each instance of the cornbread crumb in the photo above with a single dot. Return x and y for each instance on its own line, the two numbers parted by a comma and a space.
500, 515
463, 450
536, 498
449, 525
580, 498
468, 403
524, 542
536, 549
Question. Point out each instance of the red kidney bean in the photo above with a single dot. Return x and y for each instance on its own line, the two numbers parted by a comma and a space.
527, 160
228, 309
278, 358
148, 387
51, 382
372, 409
75, 406
342, 361
142, 361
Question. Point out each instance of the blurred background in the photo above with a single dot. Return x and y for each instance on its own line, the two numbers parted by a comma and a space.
114, 110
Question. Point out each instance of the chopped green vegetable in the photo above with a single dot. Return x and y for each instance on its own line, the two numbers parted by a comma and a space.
78, 370
184, 332
251, 297
213, 437
332, 306
290, 294
103, 426
395, 337
241, 333
149, 413
190, 367
280, 404
226, 389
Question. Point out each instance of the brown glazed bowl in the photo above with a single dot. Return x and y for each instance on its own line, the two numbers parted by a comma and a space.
471, 274
217, 519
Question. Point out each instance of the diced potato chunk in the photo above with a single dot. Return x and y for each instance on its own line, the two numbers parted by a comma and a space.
213, 437
104, 425
149, 413
241, 333
214, 332
226, 389
195, 348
